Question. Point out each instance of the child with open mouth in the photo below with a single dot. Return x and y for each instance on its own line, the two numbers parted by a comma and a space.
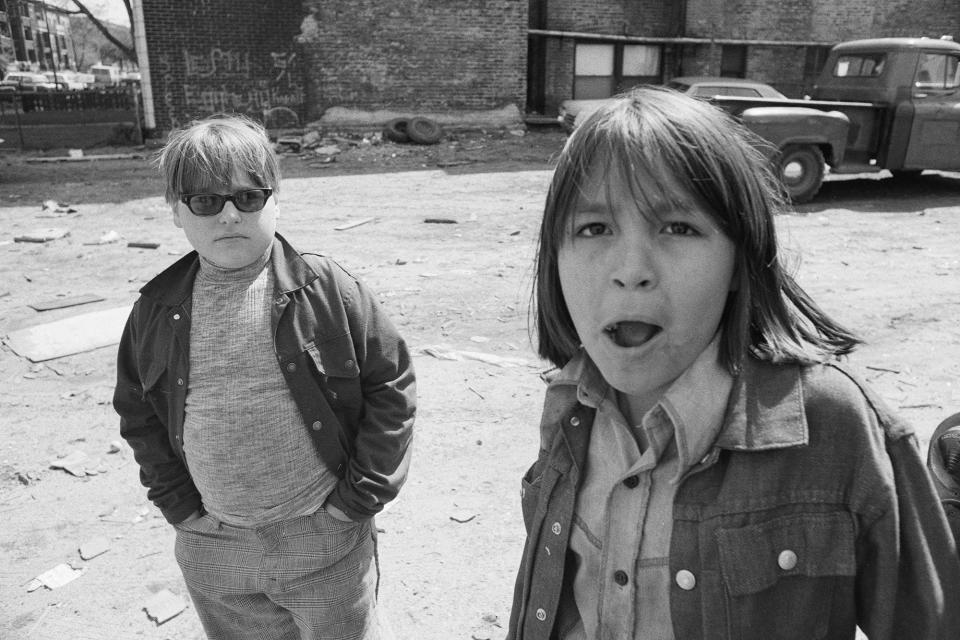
707, 467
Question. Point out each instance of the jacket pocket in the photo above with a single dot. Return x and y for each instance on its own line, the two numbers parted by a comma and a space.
788, 577
530, 491
335, 363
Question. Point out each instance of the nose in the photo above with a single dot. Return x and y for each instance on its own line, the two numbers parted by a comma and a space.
230, 214
635, 265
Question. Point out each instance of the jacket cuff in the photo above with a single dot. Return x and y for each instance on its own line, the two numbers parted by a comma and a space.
182, 510
345, 499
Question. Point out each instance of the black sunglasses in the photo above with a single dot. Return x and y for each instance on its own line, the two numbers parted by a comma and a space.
210, 204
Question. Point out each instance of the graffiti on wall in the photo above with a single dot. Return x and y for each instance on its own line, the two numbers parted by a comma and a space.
219, 80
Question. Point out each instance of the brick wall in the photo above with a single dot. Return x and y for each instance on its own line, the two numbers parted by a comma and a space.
827, 21
224, 56
257, 57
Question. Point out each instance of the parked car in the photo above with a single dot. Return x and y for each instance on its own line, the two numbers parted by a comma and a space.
572, 112
105, 75
26, 81
66, 80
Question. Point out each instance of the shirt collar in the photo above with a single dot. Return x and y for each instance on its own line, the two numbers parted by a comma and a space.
764, 407
694, 404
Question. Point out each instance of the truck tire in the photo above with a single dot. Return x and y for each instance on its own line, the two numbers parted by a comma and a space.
801, 170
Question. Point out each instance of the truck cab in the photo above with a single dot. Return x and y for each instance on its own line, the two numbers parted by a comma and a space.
917, 82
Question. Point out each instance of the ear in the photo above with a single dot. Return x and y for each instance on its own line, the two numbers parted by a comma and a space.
175, 208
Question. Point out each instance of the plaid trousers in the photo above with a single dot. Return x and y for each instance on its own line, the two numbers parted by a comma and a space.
309, 578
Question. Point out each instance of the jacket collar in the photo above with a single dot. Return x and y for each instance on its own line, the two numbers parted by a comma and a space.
174, 285
766, 409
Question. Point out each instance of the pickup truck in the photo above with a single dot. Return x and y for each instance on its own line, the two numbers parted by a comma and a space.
884, 103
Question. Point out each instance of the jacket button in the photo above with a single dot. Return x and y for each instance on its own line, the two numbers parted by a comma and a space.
686, 580
631, 482
292, 367
556, 528
575, 421
180, 382
348, 364
541, 615
176, 316
787, 560
621, 578
317, 425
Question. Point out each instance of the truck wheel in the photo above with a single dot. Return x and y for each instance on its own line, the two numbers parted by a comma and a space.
801, 170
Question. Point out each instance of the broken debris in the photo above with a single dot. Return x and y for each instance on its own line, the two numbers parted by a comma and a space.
463, 516
93, 548
163, 606
351, 225
57, 207
42, 235
74, 463
55, 578
61, 303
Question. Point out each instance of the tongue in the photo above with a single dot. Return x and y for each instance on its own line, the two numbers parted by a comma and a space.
634, 334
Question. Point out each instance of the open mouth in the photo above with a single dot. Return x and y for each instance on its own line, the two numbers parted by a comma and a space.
631, 333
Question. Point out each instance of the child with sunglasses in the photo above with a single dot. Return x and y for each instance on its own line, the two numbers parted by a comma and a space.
268, 400
707, 469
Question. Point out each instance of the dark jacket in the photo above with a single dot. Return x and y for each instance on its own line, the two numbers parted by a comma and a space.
347, 367
808, 462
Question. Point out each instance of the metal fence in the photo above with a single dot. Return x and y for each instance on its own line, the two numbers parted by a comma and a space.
70, 119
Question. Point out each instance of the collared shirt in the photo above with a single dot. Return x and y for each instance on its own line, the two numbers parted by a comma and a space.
624, 508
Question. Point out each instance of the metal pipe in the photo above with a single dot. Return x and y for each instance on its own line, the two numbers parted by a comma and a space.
140, 44
657, 40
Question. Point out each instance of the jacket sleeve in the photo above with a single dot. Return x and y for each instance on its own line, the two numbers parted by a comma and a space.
162, 472
909, 577
379, 467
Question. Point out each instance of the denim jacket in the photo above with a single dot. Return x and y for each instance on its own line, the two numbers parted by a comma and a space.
347, 368
813, 513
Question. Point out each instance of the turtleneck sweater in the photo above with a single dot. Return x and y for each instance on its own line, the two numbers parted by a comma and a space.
247, 449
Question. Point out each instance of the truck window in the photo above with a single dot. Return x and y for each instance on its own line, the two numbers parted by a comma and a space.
869, 65
938, 71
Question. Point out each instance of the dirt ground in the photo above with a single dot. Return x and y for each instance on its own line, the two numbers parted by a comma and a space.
880, 256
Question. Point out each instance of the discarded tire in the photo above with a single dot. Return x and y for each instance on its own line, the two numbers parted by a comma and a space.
424, 131
396, 130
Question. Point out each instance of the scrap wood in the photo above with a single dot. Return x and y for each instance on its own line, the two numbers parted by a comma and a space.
43, 235
84, 158
60, 303
68, 336
143, 245
351, 225
445, 353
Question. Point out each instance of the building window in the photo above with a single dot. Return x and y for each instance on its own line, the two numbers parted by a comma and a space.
602, 70
814, 59
27, 33
25, 9
733, 61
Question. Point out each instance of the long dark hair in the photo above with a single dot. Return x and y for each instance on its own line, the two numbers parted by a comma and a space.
701, 147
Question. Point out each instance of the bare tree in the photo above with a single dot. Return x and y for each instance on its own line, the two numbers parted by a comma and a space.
128, 50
